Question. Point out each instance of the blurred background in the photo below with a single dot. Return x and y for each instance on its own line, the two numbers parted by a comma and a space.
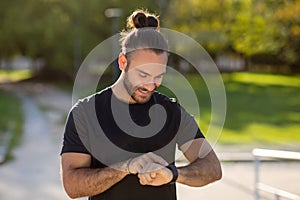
254, 43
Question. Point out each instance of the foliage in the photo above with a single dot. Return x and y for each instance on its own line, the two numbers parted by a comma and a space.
202, 20
248, 27
61, 32
252, 31
64, 32
288, 17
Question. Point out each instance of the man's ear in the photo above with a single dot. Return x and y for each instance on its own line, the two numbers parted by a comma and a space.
122, 61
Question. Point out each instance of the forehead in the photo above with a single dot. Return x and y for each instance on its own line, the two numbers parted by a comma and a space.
144, 57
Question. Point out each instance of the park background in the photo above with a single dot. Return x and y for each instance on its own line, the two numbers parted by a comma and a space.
254, 43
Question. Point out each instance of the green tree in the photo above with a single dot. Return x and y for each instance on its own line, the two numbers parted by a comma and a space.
254, 28
60, 32
288, 18
252, 31
205, 21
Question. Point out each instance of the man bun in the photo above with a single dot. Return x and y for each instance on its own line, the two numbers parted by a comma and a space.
142, 19
142, 33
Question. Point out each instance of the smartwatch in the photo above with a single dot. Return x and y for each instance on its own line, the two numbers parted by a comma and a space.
174, 171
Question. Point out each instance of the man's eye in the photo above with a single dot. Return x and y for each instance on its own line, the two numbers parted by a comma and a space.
143, 75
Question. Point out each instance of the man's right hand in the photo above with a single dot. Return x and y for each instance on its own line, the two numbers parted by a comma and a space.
137, 164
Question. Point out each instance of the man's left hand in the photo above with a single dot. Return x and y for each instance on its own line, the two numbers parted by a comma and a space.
155, 174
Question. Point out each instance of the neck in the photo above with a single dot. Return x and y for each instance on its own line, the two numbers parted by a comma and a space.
120, 91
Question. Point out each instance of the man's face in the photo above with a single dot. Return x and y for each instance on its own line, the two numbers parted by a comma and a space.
144, 74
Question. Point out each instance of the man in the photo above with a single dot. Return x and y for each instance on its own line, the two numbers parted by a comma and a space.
144, 124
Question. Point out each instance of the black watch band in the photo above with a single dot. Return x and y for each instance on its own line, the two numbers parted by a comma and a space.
174, 170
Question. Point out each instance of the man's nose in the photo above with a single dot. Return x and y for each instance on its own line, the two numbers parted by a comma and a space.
150, 86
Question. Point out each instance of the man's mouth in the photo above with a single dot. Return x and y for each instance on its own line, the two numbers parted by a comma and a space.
144, 91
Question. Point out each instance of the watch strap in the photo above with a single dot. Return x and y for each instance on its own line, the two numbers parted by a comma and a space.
174, 171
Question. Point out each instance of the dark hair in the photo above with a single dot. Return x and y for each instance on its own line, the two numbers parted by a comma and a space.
143, 33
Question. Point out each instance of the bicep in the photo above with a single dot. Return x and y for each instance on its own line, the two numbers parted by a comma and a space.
197, 148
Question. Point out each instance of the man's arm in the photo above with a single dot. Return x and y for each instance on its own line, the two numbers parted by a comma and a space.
80, 180
204, 167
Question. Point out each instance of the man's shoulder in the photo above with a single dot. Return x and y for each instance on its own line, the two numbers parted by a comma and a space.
102, 94
170, 104
164, 98
90, 100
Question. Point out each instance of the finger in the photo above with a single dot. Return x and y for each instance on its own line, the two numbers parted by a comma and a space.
147, 177
143, 160
151, 167
135, 166
152, 175
148, 172
157, 159
138, 168
143, 179
147, 168
140, 162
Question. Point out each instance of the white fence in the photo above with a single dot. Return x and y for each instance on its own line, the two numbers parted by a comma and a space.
278, 193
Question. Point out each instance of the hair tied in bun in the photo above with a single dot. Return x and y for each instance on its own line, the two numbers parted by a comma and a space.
142, 19
152, 21
139, 20
142, 33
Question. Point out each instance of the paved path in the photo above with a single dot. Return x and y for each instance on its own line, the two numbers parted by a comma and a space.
34, 174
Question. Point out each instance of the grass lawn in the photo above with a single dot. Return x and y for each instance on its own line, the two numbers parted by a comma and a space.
11, 119
11, 116
261, 108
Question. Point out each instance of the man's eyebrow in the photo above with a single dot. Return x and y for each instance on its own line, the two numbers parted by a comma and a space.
139, 70
163, 73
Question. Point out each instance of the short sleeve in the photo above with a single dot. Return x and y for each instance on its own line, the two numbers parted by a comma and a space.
71, 140
188, 129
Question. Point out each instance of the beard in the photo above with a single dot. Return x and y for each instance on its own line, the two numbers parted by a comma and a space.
138, 93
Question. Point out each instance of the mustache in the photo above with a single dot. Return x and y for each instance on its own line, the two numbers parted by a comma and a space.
145, 89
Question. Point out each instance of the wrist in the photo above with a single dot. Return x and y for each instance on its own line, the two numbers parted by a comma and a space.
174, 171
127, 167
121, 168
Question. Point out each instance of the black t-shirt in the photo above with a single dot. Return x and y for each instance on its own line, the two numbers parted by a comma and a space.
111, 131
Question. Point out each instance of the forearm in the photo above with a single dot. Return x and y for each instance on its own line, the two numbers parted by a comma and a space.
89, 182
200, 172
